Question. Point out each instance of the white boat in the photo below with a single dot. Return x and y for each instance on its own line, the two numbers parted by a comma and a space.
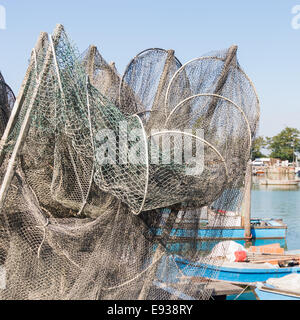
286, 288
270, 182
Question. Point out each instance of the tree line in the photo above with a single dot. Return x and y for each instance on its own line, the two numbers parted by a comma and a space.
283, 146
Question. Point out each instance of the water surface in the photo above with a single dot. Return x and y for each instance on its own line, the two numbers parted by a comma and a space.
282, 202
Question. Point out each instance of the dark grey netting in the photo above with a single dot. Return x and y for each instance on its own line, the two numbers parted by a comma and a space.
103, 76
7, 100
96, 203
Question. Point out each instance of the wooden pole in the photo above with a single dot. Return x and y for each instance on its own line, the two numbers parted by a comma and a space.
91, 62
247, 203
26, 122
109, 79
230, 59
156, 119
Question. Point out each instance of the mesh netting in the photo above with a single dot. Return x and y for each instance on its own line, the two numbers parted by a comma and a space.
7, 100
107, 179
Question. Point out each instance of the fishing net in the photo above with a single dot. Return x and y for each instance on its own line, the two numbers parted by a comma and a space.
106, 180
7, 100
103, 76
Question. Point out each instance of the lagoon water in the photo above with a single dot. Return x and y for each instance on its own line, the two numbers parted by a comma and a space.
276, 202
279, 202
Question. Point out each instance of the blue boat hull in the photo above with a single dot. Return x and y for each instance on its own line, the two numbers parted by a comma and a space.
237, 275
205, 238
274, 230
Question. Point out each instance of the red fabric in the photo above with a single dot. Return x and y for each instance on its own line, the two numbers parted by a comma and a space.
240, 256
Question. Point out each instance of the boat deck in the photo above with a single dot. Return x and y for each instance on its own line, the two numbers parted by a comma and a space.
219, 289
223, 289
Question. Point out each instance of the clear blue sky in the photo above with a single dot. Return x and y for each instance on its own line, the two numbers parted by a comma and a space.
269, 48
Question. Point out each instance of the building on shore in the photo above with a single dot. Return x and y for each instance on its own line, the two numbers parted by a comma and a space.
274, 166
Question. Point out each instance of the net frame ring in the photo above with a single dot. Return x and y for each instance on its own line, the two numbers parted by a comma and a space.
146, 164
219, 97
215, 150
238, 67
133, 61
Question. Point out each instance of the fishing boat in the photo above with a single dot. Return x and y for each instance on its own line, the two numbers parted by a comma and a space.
266, 292
286, 288
218, 225
259, 268
297, 167
258, 171
234, 272
263, 232
269, 182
